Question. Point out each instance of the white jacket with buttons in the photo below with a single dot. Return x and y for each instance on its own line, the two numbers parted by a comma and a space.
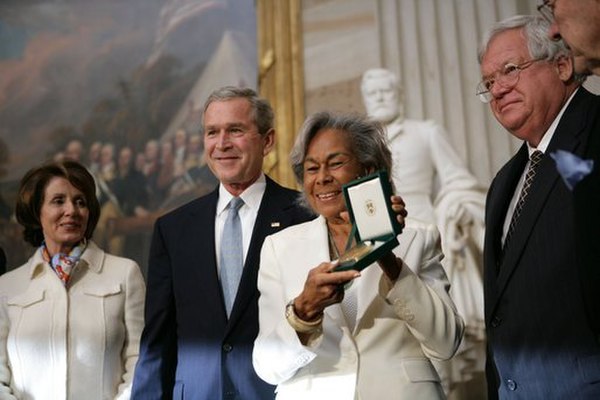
399, 326
80, 343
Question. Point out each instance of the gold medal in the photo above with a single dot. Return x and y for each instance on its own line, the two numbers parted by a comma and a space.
355, 253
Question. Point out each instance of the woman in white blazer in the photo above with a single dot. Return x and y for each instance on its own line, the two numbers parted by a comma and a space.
375, 339
71, 316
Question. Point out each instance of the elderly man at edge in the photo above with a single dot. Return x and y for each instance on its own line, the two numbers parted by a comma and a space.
542, 339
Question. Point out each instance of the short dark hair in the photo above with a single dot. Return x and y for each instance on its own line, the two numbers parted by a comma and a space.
31, 196
263, 112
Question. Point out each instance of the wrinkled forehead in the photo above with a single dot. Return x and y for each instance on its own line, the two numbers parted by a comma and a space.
504, 48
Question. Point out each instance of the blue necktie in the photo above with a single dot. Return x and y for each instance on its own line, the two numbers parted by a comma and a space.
232, 259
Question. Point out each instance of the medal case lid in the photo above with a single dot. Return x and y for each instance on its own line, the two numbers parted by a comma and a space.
374, 223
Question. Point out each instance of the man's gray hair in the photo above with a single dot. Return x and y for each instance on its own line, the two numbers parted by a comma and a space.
540, 45
535, 30
262, 110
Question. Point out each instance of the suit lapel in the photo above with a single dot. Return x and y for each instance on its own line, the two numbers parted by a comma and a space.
545, 180
499, 203
368, 288
317, 240
269, 220
198, 230
496, 207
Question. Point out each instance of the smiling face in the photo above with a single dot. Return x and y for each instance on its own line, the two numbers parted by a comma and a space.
64, 215
528, 108
577, 22
234, 149
329, 164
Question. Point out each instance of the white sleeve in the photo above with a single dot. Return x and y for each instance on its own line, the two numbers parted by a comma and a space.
5, 372
278, 353
420, 297
134, 323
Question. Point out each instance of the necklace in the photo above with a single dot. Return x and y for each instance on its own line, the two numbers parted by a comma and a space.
334, 253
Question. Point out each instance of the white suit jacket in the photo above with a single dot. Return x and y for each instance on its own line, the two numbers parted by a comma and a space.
437, 187
76, 344
399, 326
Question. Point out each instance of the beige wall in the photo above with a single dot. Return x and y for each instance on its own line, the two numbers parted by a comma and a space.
430, 44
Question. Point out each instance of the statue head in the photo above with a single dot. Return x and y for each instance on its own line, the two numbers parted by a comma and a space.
381, 91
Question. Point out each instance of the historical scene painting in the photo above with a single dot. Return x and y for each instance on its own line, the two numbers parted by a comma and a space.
118, 85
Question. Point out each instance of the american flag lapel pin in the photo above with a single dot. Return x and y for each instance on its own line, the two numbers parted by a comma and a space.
275, 224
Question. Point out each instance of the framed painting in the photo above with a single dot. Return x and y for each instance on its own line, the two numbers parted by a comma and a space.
119, 86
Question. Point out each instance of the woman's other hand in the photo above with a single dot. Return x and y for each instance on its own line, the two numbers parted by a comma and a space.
399, 208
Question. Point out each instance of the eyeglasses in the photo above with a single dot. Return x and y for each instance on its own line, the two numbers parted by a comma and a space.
507, 77
547, 10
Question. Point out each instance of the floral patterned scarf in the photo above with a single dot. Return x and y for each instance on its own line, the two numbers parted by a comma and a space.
63, 264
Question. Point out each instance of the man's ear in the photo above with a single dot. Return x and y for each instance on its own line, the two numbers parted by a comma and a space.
269, 141
564, 66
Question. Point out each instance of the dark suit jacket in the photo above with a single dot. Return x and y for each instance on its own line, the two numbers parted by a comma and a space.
2, 261
541, 338
587, 229
189, 350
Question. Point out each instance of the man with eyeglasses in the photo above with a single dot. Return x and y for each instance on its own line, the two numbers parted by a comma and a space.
541, 322
577, 22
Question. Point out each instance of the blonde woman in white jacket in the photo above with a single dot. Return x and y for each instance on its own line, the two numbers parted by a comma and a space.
374, 339
71, 316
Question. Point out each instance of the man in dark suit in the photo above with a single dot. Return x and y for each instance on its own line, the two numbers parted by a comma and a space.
578, 24
542, 342
196, 343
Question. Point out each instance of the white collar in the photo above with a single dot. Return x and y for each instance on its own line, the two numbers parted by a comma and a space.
252, 196
543, 145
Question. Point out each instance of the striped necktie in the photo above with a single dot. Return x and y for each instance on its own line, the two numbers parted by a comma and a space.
535, 159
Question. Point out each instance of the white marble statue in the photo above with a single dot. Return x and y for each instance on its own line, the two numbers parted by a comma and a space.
437, 188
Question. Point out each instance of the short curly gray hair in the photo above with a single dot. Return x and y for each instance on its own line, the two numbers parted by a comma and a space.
367, 141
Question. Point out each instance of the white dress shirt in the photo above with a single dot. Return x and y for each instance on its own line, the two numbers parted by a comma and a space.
252, 197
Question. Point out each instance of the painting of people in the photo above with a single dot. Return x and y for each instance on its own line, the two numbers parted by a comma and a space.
119, 86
